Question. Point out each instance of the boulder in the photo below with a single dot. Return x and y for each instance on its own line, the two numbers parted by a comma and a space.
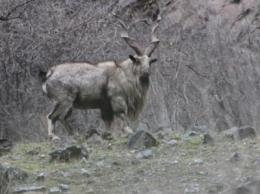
5, 146
29, 189
8, 175
13, 173
55, 190
4, 179
250, 187
68, 153
208, 139
241, 133
16, 174
142, 139
145, 154
236, 157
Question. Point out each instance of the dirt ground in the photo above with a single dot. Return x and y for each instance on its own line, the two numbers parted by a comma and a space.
176, 166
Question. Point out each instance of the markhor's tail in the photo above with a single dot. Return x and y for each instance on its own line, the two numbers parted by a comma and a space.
43, 75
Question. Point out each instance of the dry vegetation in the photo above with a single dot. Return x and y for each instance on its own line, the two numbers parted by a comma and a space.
207, 72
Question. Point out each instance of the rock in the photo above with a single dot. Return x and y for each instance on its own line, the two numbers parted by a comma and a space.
16, 174
242, 190
125, 3
250, 187
41, 176
241, 133
64, 187
5, 146
68, 153
145, 154
172, 142
4, 179
191, 134
164, 133
235, 1
193, 188
208, 139
216, 189
142, 139
197, 161
10, 174
90, 133
55, 190
84, 172
42, 156
200, 129
106, 135
34, 152
24, 189
235, 157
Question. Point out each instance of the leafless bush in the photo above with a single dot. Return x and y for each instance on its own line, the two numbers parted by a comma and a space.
207, 72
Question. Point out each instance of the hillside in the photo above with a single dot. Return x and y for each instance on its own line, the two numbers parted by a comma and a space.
179, 165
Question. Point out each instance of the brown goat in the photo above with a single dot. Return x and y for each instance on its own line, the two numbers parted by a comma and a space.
117, 89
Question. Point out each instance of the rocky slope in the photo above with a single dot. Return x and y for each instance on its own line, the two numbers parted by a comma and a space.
181, 163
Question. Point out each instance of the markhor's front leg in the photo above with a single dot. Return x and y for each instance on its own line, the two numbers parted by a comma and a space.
121, 120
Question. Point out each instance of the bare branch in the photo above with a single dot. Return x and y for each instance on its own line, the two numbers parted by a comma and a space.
8, 17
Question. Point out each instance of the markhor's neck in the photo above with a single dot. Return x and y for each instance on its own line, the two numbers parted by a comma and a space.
145, 81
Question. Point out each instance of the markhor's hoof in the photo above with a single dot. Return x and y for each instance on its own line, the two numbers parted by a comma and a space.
54, 138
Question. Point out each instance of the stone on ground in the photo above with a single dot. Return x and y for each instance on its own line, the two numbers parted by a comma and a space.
241, 133
142, 139
27, 189
5, 146
68, 153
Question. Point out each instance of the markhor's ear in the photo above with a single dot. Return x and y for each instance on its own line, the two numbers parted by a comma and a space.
132, 58
153, 61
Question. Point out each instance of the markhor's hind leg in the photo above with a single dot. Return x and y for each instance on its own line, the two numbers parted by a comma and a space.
60, 112
51, 123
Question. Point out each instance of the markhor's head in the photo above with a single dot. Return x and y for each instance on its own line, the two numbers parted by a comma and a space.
142, 60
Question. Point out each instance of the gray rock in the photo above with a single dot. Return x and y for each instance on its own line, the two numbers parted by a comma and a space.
89, 133
216, 189
208, 139
54, 190
164, 132
16, 174
172, 142
200, 128
24, 189
145, 154
241, 133
250, 187
34, 151
68, 153
192, 189
126, 3
84, 172
142, 139
191, 134
197, 161
235, 157
9, 175
5, 146
41, 176
4, 179
64, 187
